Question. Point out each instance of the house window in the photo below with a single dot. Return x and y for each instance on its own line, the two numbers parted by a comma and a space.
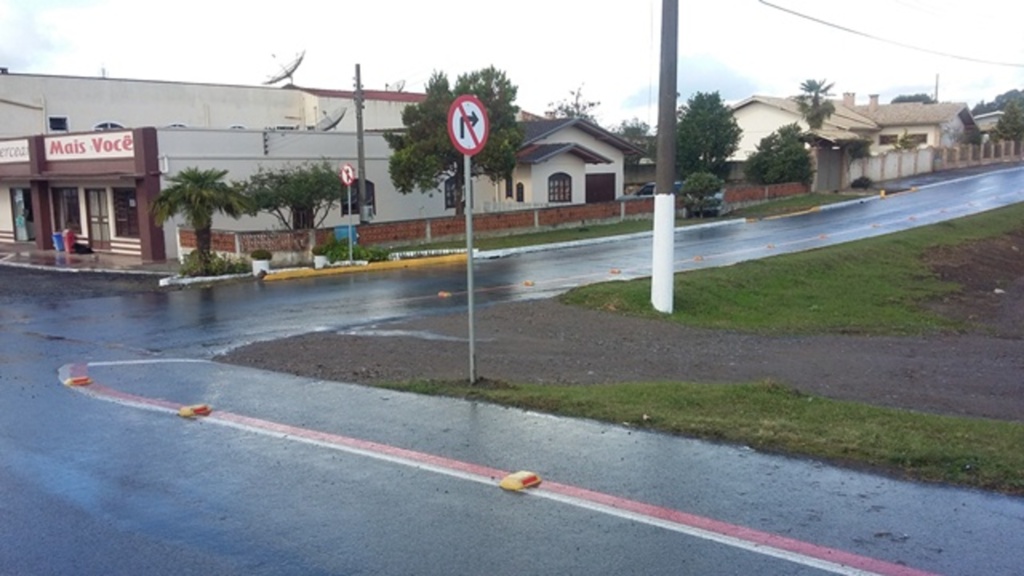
108, 126
520, 192
126, 213
560, 187
508, 188
58, 123
893, 139
371, 199
451, 192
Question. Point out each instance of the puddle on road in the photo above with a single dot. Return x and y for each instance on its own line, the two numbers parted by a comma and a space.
423, 335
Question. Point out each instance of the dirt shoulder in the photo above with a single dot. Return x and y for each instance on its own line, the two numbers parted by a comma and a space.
980, 373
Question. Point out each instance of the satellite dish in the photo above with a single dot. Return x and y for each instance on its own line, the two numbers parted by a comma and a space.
399, 86
329, 121
286, 71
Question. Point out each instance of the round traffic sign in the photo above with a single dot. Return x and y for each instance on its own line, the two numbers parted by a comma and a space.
468, 125
348, 175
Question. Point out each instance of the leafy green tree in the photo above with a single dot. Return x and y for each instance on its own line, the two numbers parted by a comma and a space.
300, 197
904, 98
814, 102
906, 142
999, 103
1011, 124
575, 107
423, 156
780, 157
706, 135
700, 189
198, 195
638, 133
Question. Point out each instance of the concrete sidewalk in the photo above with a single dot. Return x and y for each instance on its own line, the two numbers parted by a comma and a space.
26, 255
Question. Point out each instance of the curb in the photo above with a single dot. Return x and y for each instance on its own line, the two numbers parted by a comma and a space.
373, 266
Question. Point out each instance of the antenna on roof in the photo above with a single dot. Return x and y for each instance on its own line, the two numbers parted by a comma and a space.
286, 71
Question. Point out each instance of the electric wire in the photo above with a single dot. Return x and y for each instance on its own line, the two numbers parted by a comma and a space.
892, 42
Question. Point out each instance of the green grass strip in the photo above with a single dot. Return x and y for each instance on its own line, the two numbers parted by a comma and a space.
769, 417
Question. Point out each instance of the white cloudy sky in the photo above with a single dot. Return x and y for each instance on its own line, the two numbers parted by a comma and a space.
547, 47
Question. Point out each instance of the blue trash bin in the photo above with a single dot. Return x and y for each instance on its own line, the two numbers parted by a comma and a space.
347, 232
58, 242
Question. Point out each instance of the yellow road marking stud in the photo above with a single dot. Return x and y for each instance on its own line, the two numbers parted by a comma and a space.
195, 410
528, 283
78, 381
444, 294
616, 271
520, 480
698, 258
881, 193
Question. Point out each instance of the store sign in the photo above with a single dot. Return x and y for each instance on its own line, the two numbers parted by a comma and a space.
13, 151
90, 146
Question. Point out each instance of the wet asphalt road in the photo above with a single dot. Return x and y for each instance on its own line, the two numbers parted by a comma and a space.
91, 486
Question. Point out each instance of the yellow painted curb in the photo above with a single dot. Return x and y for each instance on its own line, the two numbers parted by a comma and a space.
371, 267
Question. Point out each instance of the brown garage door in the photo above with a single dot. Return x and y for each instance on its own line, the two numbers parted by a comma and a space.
600, 188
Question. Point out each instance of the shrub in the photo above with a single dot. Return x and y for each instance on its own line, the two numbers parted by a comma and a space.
337, 250
780, 157
217, 266
319, 250
261, 254
862, 183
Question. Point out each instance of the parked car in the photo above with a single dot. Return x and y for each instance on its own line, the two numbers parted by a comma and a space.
648, 189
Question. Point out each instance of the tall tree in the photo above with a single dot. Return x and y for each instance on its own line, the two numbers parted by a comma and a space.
905, 98
780, 157
574, 107
814, 102
423, 156
999, 103
198, 195
1011, 124
707, 135
300, 197
637, 133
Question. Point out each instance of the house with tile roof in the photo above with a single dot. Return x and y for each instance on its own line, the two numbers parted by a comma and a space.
568, 161
940, 124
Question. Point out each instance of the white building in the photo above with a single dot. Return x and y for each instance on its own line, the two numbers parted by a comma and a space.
95, 152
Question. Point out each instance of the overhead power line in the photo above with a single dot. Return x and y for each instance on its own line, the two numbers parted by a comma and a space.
887, 41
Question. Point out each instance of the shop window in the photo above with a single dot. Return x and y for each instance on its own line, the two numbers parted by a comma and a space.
58, 123
108, 126
68, 212
126, 213
560, 187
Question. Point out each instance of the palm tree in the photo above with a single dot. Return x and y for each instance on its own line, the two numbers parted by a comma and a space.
197, 195
814, 102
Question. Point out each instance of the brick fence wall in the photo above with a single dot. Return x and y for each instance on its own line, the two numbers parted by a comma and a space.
294, 246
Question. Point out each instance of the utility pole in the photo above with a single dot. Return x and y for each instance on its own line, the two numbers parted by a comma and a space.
364, 210
663, 250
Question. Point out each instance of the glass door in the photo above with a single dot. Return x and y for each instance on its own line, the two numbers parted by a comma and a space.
24, 226
99, 218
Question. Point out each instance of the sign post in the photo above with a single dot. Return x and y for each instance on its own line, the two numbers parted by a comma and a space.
468, 128
348, 176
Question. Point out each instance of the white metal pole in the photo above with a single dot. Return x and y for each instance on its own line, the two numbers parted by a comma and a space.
468, 193
350, 234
